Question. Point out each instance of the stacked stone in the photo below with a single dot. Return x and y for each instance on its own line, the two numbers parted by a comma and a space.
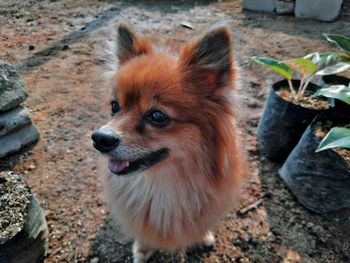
16, 127
323, 10
285, 7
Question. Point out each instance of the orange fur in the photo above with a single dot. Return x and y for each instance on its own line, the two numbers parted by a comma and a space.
172, 204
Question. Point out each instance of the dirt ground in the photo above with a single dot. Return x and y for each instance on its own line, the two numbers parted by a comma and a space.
56, 45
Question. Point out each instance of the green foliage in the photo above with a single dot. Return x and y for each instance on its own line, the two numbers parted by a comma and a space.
328, 63
337, 137
311, 65
303, 66
275, 65
340, 92
342, 42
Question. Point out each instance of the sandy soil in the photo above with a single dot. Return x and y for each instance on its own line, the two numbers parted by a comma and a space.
56, 46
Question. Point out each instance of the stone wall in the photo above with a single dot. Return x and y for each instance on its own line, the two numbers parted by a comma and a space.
323, 10
16, 127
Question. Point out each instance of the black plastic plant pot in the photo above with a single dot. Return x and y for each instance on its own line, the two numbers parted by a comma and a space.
28, 242
340, 106
320, 181
334, 80
283, 123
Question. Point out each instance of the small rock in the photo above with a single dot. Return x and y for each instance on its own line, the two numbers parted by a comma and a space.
267, 194
31, 167
242, 244
31, 47
283, 200
277, 240
244, 247
65, 47
103, 249
292, 220
292, 256
298, 211
251, 241
310, 252
276, 231
309, 225
94, 260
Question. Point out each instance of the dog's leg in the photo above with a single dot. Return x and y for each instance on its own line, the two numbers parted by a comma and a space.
209, 239
141, 253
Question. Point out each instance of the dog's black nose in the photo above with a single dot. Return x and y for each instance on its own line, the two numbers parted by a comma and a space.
105, 140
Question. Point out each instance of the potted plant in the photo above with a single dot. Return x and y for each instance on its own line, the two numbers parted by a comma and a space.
23, 228
318, 169
293, 102
344, 45
336, 80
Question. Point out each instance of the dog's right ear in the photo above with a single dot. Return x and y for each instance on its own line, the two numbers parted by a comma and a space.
129, 45
208, 61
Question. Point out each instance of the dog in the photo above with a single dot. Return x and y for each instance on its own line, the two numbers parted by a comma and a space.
171, 161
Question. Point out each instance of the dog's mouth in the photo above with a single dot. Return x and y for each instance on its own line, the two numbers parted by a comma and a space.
123, 167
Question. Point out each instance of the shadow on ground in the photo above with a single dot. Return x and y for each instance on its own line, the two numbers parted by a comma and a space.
296, 233
309, 236
110, 245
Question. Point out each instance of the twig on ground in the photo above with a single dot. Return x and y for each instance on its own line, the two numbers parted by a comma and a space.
248, 208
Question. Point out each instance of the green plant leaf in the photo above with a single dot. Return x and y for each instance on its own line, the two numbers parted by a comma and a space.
314, 57
334, 69
328, 63
342, 42
340, 92
337, 137
275, 65
321, 60
301, 65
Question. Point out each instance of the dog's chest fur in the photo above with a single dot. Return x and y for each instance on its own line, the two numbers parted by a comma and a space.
163, 209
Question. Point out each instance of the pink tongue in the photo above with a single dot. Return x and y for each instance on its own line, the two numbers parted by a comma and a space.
116, 166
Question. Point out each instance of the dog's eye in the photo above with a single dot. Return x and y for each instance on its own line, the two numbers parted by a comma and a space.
158, 118
114, 107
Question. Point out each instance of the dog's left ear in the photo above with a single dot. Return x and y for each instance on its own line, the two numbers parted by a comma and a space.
208, 62
130, 45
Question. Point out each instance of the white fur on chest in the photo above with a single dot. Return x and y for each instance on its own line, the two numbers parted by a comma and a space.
172, 204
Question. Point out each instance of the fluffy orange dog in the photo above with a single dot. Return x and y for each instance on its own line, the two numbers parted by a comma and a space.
171, 163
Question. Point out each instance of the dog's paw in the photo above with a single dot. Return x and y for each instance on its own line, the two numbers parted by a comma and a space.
140, 254
209, 239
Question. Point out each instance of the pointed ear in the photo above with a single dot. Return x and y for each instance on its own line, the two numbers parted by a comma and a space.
208, 62
129, 45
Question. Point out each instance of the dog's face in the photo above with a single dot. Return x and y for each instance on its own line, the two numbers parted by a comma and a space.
166, 110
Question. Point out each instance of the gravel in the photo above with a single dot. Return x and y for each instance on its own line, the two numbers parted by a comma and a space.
14, 199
